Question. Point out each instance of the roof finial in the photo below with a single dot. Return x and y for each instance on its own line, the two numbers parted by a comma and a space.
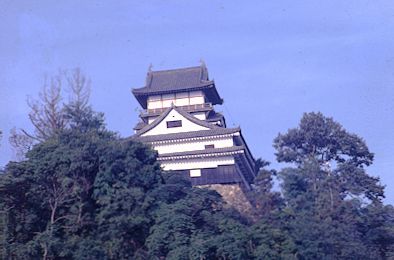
149, 75
204, 70
202, 63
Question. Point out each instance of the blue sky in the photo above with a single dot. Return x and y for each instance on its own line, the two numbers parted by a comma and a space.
271, 61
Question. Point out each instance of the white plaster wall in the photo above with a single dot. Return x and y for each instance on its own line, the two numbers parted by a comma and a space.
188, 164
168, 100
187, 126
155, 104
197, 100
200, 116
179, 99
193, 145
182, 101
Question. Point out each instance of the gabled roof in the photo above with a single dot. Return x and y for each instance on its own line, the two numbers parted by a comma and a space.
177, 80
183, 113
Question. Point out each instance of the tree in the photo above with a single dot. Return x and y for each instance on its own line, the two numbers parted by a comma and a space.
84, 193
47, 198
265, 200
339, 157
377, 227
271, 240
48, 114
197, 227
328, 190
20, 142
122, 190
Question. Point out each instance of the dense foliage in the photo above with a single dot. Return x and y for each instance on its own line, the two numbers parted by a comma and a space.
330, 199
85, 193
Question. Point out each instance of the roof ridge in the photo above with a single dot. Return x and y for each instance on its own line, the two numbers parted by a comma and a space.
177, 69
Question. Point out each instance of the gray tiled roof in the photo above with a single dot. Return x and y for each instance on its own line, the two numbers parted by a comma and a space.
185, 135
215, 116
177, 80
211, 151
140, 125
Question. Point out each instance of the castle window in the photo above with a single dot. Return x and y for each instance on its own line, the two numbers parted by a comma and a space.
176, 123
209, 146
195, 173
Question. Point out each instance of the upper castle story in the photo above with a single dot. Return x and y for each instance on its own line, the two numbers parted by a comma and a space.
189, 89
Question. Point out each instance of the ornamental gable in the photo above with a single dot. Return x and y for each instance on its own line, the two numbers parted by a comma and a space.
174, 122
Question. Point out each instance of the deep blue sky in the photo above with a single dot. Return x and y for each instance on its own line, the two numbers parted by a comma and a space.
271, 61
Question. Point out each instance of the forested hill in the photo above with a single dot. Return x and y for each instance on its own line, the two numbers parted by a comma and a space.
82, 192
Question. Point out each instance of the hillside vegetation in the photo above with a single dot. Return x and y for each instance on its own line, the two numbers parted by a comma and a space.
85, 193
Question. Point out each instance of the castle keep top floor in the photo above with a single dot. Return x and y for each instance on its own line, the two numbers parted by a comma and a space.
187, 86
188, 89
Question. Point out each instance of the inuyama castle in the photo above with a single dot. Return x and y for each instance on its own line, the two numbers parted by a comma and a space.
179, 121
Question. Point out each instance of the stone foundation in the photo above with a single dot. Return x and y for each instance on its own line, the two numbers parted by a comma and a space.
233, 195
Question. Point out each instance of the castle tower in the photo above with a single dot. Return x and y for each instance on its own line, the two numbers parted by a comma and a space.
180, 122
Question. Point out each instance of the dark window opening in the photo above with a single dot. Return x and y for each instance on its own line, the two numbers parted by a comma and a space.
209, 146
176, 123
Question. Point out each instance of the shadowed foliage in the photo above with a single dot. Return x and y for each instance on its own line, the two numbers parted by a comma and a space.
85, 193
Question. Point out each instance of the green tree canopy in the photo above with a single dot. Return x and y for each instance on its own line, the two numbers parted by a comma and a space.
331, 155
86, 193
328, 194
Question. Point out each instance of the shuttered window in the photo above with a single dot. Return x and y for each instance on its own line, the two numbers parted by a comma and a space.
176, 123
